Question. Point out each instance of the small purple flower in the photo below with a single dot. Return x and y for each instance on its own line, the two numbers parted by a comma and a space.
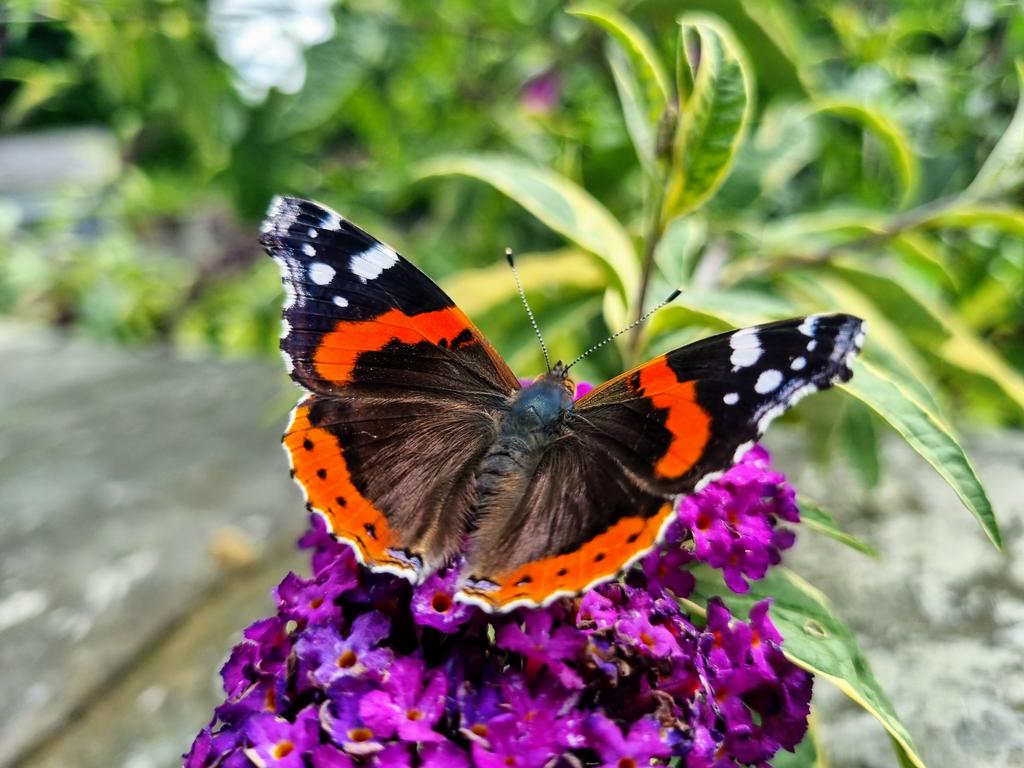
540, 94
341, 720
637, 630
443, 754
433, 602
643, 744
410, 703
276, 743
733, 520
665, 570
324, 655
539, 641
313, 601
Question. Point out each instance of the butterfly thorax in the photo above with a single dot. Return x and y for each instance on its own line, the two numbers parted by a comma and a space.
535, 418
538, 410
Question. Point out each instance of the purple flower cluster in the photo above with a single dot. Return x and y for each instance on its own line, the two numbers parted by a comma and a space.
362, 669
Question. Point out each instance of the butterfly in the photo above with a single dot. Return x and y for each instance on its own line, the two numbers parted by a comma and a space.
417, 443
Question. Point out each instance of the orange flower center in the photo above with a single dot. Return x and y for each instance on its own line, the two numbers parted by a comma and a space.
441, 603
347, 659
282, 749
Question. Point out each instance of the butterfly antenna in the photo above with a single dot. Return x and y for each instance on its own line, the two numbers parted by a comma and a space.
522, 295
671, 297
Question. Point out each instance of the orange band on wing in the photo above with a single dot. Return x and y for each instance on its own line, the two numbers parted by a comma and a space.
599, 559
320, 468
689, 424
338, 352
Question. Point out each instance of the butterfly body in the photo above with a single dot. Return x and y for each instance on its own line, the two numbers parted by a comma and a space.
417, 443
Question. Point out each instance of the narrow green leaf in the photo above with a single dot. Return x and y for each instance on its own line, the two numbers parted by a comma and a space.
641, 51
965, 215
1003, 171
935, 328
927, 435
479, 290
887, 345
820, 520
816, 639
634, 112
555, 200
891, 135
714, 119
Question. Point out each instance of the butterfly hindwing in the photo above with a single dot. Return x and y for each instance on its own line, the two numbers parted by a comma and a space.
404, 392
605, 492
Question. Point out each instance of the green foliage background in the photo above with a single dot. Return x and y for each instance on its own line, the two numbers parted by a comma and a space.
774, 158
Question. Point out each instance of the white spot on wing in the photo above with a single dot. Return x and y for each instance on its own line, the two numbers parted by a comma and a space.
741, 449
308, 249
807, 326
731, 398
746, 347
369, 264
331, 221
340, 301
768, 381
321, 273
779, 408
311, 233
812, 345
798, 364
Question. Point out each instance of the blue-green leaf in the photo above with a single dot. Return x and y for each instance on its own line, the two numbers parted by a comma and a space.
927, 435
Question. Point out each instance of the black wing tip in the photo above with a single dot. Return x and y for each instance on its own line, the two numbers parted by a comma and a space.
287, 211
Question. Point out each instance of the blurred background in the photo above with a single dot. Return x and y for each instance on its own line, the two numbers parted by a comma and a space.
875, 165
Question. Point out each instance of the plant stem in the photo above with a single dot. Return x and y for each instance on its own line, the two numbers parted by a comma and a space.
655, 230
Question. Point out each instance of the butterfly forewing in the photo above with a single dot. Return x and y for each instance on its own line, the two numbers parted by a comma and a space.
404, 391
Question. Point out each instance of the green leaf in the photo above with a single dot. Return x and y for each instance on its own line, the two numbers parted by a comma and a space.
891, 135
887, 344
1003, 171
927, 435
638, 126
641, 52
936, 329
965, 215
555, 200
820, 520
477, 291
816, 639
713, 120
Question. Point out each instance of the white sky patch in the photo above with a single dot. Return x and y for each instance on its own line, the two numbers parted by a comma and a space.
373, 261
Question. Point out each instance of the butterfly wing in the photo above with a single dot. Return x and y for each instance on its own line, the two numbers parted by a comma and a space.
604, 493
404, 392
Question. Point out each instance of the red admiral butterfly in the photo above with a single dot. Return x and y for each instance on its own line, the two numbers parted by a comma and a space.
417, 442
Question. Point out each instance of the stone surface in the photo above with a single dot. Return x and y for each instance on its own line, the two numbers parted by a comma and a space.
145, 512
118, 474
940, 615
